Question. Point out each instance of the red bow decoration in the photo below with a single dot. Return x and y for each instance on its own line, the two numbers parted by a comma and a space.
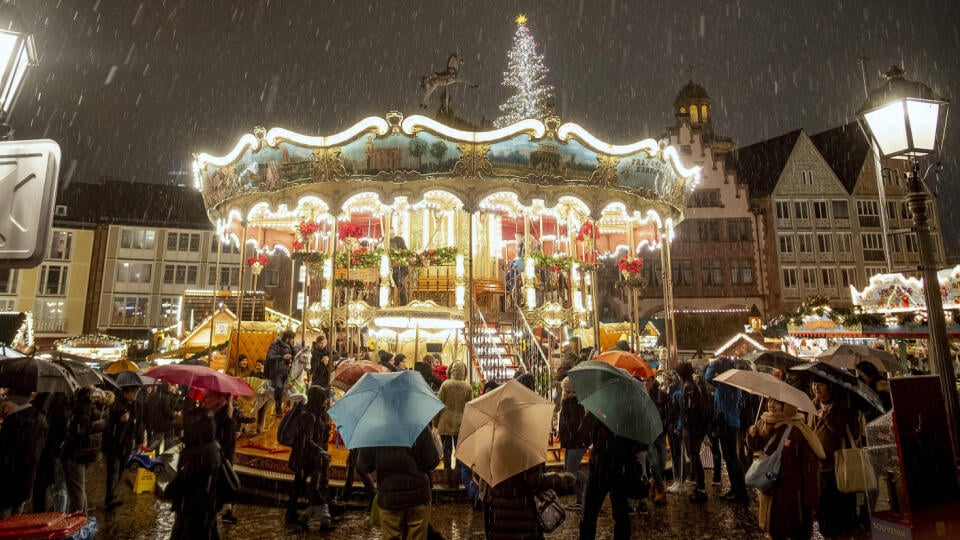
261, 258
631, 265
308, 227
586, 231
349, 230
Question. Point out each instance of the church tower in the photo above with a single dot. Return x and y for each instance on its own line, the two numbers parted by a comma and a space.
692, 105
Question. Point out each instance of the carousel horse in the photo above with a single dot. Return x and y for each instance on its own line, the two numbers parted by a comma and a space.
451, 75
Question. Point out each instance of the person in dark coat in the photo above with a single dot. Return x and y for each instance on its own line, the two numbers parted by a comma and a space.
403, 485
657, 453
309, 460
221, 406
727, 404
834, 419
572, 440
279, 360
194, 489
786, 511
22, 437
161, 412
83, 441
694, 425
320, 363
125, 431
510, 512
55, 408
613, 463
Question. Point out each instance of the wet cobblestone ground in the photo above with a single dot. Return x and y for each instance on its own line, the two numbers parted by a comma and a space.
144, 517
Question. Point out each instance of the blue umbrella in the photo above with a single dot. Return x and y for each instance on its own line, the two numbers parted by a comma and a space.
385, 409
616, 399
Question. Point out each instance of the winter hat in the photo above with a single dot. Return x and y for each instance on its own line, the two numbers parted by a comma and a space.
384, 356
527, 380
566, 385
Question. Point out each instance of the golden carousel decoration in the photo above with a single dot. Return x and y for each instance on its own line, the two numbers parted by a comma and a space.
406, 231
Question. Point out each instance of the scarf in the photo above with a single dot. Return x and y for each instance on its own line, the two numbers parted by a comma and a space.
790, 416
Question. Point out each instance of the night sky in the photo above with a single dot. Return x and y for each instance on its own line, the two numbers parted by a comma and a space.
130, 89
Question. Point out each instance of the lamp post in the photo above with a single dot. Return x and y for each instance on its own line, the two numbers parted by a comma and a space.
17, 54
904, 120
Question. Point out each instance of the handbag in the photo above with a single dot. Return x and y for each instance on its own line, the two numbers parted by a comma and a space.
229, 477
765, 470
853, 475
550, 514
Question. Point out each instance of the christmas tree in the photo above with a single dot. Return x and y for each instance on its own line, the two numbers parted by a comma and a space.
525, 76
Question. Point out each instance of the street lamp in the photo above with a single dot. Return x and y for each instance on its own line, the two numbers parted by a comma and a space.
17, 54
905, 120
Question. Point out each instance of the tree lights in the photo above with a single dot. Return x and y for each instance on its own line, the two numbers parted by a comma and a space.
526, 74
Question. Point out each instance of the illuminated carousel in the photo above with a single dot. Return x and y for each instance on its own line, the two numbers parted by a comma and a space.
408, 233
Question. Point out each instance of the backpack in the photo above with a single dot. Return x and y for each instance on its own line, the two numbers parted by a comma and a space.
697, 404
290, 425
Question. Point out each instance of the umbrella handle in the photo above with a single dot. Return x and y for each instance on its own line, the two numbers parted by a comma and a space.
760, 408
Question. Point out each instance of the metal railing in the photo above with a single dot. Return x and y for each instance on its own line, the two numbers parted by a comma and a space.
532, 358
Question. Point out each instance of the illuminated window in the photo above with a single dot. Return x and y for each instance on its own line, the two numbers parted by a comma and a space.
694, 117
137, 239
130, 310
134, 272
60, 245
711, 272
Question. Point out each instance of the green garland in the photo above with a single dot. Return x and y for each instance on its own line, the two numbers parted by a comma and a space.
353, 284
556, 264
636, 281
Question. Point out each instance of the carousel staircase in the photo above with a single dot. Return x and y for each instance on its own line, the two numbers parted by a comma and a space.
493, 354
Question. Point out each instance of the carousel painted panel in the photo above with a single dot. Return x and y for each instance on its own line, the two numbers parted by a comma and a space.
424, 153
522, 155
642, 172
258, 169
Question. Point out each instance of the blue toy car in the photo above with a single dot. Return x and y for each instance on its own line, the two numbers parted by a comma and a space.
143, 461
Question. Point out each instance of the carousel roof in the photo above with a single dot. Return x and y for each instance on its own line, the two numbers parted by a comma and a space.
395, 157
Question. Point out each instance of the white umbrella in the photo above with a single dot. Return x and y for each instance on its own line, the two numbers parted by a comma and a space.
848, 356
504, 432
766, 385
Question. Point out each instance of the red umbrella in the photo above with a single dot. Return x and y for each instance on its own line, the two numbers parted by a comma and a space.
628, 361
349, 372
201, 377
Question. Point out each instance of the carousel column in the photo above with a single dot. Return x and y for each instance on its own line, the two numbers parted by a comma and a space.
471, 316
593, 287
216, 285
243, 253
632, 301
330, 271
668, 312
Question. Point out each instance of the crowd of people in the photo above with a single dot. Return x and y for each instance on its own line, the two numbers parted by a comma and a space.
48, 442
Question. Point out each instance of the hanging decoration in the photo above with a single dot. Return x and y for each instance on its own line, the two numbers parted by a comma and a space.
631, 273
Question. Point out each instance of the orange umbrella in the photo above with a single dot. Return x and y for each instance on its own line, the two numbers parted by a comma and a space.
121, 365
628, 361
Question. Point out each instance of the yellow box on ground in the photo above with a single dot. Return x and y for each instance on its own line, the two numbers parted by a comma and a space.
144, 481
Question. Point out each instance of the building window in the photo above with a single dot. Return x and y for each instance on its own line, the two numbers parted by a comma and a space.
841, 209
871, 271
805, 243
738, 230
824, 243
801, 210
896, 245
49, 315
711, 272
910, 241
790, 278
892, 210
786, 243
869, 212
229, 276
186, 242
651, 272
129, 311
809, 276
133, 272
741, 272
844, 242
783, 210
828, 276
904, 211
60, 246
271, 277
806, 178
53, 280
848, 277
8, 304
8, 280
708, 230
180, 274
137, 239
683, 272
820, 210
169, 310
228, 247
705, 198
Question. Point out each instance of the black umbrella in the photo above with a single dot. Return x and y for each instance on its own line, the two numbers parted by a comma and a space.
29, 374
863, 395
131, 378
84, 374
775, 359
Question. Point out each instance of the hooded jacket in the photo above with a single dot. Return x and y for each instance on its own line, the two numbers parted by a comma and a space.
402, 473
455, 392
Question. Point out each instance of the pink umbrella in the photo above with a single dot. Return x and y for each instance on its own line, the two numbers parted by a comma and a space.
201, 377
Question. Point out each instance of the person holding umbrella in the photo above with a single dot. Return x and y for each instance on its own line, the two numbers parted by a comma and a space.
727, 402
194, 489
834, 421
455, 392
695, 423
279, 361
309, 459
786, 511
125, 431
221, 406
83, 441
